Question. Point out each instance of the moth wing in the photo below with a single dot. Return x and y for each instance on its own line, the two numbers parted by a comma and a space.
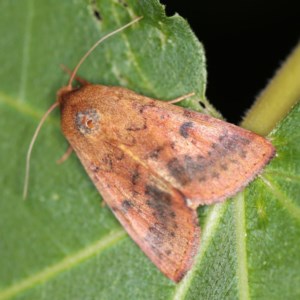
100, 127
154, 214
154, 163
206, 159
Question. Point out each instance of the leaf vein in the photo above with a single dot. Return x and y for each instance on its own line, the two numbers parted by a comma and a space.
241, 235
131, 55
285, 201
25, 109
65, 264
284, 175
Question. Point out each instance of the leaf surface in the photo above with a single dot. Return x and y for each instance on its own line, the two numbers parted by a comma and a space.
60, 243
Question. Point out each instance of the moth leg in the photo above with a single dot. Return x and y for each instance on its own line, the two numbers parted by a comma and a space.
78, 78
181, 98
65, 156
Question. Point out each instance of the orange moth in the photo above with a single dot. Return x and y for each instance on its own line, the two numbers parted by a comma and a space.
154, 163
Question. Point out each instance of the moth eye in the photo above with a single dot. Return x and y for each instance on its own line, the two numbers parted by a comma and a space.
87, 122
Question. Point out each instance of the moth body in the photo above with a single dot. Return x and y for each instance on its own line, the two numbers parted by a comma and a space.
154, 163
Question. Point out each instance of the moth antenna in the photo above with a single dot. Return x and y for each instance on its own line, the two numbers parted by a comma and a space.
52, 107
94, 46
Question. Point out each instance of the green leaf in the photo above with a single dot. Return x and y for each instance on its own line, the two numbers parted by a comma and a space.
60, 243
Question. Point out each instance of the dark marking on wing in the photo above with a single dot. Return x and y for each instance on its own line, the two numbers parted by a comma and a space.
214, 145
184, 129
242, 153
168, 252
155, 153
155, 238
160, 203
143, 107
94, 168
158, 195
224, 167
126, 205
172, 214
202, 163
136, 126
187, 113
135, 177
202, 179
118, 154
107, 162
178, 171
186, 168
215, 174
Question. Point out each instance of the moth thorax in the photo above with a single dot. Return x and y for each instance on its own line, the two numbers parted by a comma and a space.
87, 121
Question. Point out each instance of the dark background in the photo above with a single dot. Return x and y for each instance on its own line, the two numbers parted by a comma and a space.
245, 42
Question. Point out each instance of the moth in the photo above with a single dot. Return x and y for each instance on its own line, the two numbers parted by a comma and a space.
154, 163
